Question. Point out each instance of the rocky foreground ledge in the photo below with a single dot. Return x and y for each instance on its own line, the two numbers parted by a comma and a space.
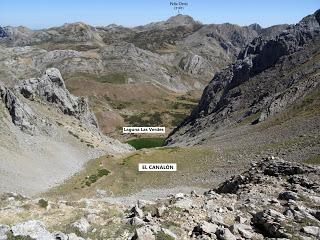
274, 199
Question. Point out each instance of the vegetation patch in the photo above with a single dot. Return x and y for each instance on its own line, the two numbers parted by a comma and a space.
313, 160
115, 78
163, 236
95, 177
178, 118
126, 179
140, 143
126, 160
145, 119
43, 203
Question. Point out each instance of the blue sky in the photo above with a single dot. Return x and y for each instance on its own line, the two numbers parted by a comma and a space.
45, 13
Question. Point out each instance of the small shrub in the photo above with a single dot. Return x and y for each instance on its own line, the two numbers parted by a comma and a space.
43, 203
95, 177
103, 172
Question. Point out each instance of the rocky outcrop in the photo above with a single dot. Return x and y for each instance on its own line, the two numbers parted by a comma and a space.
259, 55
280, 101
269, 75
257, 209
21, 114
33, 230
3, 33
51, 88
47, 134
193, 64
181, 51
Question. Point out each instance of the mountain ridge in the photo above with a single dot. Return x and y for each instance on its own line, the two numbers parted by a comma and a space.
262, 54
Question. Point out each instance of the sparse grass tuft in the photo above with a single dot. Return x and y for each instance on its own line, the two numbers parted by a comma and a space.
314, 160
178, 118
162, 236
114, 78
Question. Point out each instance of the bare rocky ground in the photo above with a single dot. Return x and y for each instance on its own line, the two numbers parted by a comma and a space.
274, 199
128, 74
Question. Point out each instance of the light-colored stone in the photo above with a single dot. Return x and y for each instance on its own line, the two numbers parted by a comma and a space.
144, 233
161, 210
208, 228
136, 221
138, 212
4, 229
82, 225
33, 229
225, 234
184, 203
243, 230
312, 230
73, 236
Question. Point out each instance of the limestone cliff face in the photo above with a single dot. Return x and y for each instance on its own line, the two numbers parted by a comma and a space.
47, 134
21, 114
51, 88
269, 75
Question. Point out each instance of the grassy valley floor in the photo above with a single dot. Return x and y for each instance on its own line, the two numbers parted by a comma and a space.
226, 153
120, 177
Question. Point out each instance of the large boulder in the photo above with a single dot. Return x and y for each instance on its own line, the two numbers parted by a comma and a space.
82, 225
205, 228
312, 230
143, 233
4, 230
270, 223
33, 229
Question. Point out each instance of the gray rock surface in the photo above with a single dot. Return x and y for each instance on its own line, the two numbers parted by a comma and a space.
82, 225
312, 230
214, 214
143, 233
47, 134
51, 88
4, 230
179, 54
33, 229
267, 78
20, 113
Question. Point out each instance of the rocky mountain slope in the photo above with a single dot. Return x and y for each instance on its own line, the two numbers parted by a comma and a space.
274, 77
274, 199
173, 56
179, 49
46, 134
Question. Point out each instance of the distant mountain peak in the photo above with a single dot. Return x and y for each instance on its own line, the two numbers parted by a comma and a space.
181, 20
256, 27
80, 25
